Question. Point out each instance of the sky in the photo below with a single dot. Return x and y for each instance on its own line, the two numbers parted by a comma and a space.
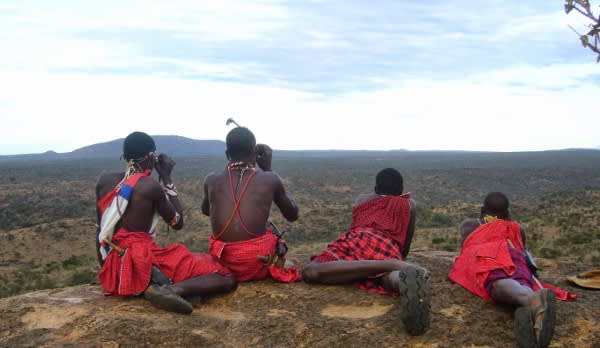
498, 75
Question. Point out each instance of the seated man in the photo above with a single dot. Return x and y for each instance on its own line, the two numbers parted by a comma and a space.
371, 252
493, 265
129, 205
238, 201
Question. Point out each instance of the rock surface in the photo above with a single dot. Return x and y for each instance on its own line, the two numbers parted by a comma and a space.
268, 314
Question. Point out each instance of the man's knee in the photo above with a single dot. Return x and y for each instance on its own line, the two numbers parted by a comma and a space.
310, 273
229, 283
510, 291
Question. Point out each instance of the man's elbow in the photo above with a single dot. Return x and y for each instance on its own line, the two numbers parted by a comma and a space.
205, 209
292, 216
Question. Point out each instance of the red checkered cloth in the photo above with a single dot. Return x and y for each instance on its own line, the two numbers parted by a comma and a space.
378, 232
130, 274
241, 259
362, 244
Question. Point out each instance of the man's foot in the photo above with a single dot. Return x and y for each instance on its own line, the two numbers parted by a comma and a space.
534, 327
164, 298
414, 300
195, 301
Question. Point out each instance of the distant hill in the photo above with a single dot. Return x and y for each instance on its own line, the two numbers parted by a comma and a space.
178, 146
171, 144
174, 145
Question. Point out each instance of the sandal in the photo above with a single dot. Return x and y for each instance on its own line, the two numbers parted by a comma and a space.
414, 301
164, 298
536, 328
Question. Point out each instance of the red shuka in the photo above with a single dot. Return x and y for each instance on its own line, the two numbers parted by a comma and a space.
130, 274
487, 249
241, 259
388, 215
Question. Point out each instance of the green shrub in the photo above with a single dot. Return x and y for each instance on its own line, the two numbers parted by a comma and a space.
550, 253
82, 277
437, 240
449, 247
582, 237
441, 220
74, 261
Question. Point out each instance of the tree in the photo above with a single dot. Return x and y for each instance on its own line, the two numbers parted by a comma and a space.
590, 39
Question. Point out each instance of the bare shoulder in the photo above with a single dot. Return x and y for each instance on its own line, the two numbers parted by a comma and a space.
107, 181
210, 177
107, 177
469, 225
364, 197
413, 203
470, 222
149, 183
271, 176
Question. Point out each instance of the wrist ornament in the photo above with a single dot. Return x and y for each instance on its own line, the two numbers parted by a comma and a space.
170, 190
175, 220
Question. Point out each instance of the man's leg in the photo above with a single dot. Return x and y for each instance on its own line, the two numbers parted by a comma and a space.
406, 279
535, 317
510, 291
205, 285
171, 297
345, 272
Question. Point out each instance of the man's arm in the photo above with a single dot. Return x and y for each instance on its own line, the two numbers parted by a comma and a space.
264, 157
168, 207
467, 227
205, 201
284, 202
98, 221
411, 228
166, 196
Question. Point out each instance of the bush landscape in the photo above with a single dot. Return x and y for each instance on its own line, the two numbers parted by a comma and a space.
47, 212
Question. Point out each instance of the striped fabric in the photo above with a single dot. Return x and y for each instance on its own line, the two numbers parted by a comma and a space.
113, 205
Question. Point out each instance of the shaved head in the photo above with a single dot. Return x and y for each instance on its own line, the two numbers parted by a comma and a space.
496, 204
137, 145
389, 182
240, 143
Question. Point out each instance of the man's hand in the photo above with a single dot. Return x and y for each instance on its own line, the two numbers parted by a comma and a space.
264, 155
164, 166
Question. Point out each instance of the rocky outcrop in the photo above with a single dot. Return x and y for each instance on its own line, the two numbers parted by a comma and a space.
268, 314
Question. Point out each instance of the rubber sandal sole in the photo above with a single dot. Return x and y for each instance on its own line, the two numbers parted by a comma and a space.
549, 319
525, 322
524, 332
414, 302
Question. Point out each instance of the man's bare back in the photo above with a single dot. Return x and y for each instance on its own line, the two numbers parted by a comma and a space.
258, 189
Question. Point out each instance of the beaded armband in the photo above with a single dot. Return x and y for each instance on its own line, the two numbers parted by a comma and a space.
175, 220
170, 190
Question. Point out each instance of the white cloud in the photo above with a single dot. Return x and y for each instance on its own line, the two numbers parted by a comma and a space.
415, 114
437, 75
